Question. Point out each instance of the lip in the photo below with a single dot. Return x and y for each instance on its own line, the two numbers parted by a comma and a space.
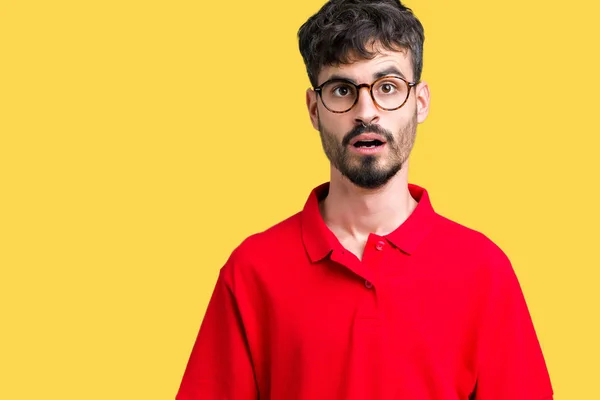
368, 150
365, 137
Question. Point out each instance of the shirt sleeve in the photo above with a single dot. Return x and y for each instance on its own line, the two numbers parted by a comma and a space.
511, 363
220, 367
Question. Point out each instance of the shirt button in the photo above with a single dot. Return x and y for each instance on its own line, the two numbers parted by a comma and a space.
379, 246
368, 285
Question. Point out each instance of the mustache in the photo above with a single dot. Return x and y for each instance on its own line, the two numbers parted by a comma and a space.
369, 128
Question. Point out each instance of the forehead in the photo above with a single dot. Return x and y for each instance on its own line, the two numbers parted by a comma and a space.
364, 70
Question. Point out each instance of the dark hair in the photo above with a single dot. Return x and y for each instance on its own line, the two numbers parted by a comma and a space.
345, 28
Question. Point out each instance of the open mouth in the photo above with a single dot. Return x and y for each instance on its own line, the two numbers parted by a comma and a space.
368, 144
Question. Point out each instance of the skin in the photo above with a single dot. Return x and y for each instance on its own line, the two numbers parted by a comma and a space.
352, 211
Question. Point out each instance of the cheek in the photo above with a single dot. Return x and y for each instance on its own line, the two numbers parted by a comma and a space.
334, 124
401, 121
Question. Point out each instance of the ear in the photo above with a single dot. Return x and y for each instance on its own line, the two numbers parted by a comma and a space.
311, 104
422, 93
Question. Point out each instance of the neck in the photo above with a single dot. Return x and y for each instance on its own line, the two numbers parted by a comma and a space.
352, 213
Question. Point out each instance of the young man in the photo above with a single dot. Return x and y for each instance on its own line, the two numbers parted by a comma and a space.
367, 293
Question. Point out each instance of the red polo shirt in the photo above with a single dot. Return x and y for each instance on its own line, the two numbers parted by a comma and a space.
433, 311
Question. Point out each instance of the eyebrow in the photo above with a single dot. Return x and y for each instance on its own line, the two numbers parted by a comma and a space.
377, 75
389, 71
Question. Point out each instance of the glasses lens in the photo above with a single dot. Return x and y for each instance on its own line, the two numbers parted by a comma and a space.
338, 95
390, 92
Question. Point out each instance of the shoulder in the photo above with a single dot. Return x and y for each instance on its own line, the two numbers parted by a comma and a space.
466, 237
470, 244
267, 248
284, 233
475, 258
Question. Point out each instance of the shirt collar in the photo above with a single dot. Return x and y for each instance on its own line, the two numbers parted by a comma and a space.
319, 241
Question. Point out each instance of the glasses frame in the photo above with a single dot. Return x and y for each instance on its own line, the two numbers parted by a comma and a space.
409, 85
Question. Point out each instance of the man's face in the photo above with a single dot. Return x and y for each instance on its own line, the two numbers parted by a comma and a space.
366, 144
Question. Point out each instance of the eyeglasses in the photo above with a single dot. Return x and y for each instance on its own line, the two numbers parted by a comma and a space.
389, 93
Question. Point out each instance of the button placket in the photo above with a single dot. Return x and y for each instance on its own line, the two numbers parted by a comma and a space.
371, 262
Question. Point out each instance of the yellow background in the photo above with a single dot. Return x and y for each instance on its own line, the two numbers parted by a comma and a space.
141, 141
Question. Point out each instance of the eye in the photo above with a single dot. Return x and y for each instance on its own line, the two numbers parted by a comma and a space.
341, 90
387, 88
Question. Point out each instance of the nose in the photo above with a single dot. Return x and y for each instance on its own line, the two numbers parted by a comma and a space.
365, 110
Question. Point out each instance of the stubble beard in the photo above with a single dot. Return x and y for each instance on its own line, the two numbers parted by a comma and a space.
367, 171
